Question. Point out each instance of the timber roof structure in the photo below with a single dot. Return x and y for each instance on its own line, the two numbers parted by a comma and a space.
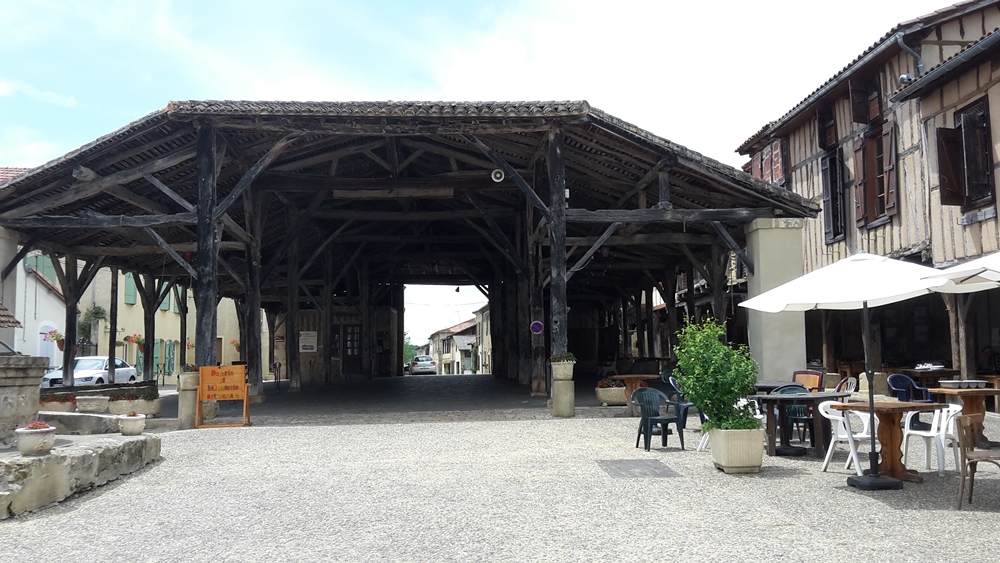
410, 187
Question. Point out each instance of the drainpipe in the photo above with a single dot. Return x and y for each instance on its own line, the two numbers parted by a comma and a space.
908, 49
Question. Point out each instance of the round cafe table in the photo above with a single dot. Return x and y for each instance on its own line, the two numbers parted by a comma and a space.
632, 382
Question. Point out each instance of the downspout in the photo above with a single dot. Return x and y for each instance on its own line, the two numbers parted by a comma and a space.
908, 49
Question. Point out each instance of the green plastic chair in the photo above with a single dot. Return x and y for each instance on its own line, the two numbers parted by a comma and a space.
649, 400
797, 415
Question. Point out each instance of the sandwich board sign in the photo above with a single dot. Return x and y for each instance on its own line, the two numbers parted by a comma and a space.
222, 384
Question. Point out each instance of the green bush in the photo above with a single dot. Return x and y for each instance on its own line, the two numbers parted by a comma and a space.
715, 376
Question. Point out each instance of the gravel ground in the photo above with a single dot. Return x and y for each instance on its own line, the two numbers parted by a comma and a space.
493, 490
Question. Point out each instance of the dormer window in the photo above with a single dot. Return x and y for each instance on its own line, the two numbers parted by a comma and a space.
866, 101
768, 164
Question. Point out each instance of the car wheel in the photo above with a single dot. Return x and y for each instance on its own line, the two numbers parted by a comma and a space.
131, 379
99, 382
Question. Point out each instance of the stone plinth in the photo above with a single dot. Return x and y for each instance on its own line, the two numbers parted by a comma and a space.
20, 377
187, 399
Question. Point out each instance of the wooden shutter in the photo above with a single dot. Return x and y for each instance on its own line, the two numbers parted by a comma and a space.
129, 289
755, 166
978, 163
859, 103
951, 176
828, 194
165, 304
766, 163
889, 167
860, 213
777, 161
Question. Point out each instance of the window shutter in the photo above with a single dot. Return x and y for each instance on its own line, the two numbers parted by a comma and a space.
950, 174
165, 304
755, 166
859, 182
766, 163
889, 167
828, 211
129, 289
777, 162
976, 142
859, 103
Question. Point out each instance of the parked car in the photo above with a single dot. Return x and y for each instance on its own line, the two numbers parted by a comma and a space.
423, 365
90, 370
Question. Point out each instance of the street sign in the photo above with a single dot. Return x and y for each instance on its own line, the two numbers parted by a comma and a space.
537, 327
222, 384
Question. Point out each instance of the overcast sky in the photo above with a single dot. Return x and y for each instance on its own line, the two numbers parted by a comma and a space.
703, 74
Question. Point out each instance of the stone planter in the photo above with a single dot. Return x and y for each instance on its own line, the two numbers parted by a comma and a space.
92, 403
57, 406
737, 451
35, 442
132, 425
20, 377
562, 371
610, 395
141, 406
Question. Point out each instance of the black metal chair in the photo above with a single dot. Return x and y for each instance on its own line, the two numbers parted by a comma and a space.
652, 420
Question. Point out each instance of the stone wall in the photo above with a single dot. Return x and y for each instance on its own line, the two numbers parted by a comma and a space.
20, 377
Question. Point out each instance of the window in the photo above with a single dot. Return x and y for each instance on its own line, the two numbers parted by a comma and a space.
768, 164
964, 161
831, 166
875, 176
446, 346
129, 289
866, 101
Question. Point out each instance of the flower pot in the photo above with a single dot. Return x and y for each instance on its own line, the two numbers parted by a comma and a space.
132, 425
610, 395
237, 349
737, 451
92, 403
141, 347
57, 406
35, 442
59, 344
562, 371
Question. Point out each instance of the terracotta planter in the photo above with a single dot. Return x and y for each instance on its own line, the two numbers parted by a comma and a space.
141, 348
35, 442
738, 451
59, 344
132, 425
92, 403
610, 395
237, 349
562, 371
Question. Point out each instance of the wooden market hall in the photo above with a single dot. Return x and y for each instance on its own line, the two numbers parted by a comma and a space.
313, 215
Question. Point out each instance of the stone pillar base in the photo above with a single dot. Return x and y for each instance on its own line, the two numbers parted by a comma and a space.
563, 399
187, 400
880, 384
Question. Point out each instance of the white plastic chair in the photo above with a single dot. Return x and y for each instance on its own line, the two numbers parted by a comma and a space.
842, 432
942, 429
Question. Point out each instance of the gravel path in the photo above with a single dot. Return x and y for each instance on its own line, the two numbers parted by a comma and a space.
492, 490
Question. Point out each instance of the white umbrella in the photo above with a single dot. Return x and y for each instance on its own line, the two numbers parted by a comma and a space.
856, 282
975, 275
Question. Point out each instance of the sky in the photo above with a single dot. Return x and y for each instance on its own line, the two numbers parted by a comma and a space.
704, 74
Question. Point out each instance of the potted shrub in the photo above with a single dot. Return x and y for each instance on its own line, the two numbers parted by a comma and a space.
610, 392
715, 377
562, 366
132, 423
36, 438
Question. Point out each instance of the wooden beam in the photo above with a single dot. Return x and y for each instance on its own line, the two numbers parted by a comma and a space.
503, 245
447, 152
232, 273
25, 249
396, 193
590, 252
648, 239
399, 216
510, 172
559, 330
697, 264
171, 252
251, 175
310, 183
80, 191
646, 180
228, 246
322, 246
664, 202
207, 265
331, 156
228, 221
98, 222
740, 215
301, 223
719, 228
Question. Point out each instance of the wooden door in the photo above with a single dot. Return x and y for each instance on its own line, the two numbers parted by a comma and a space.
352, 349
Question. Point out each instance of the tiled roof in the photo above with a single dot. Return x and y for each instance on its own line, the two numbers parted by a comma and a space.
379, 109
464, 342
971, 54
910, 26
7, 319
8, 173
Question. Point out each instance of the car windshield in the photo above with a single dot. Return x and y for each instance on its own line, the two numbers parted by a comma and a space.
88, 363
422, 359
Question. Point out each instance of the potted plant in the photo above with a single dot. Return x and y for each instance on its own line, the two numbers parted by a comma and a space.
236, 344
138, 340
132, 423
610, 392
36, 438
144, 400
715, 377
54, 336
562, 366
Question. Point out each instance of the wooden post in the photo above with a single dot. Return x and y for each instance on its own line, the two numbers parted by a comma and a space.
69, 334
717, 268
180, 297
622, 321
367, 319
113, 326
326, 321
251, 347
499, 363
652, 335
692, 309
640, 324
537, 314
829, 361
207, 262
557, 238
294, 361
399, 301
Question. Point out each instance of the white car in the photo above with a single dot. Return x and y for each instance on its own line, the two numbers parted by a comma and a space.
90, 370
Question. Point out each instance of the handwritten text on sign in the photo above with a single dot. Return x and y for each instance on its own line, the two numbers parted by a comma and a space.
223, 384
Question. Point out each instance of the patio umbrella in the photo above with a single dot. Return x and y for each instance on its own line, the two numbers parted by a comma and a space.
856, 282
975, 275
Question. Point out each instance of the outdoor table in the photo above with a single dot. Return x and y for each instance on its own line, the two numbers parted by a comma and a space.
994, 383
973, 402
821, 426
632, 382
890, 434
766, 386
930, 377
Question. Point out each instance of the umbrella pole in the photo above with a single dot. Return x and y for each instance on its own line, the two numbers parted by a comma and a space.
872, 481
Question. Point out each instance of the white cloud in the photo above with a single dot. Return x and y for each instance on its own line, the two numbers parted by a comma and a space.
24, 147
11, 87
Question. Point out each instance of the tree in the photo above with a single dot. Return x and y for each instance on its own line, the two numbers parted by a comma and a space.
409, 349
